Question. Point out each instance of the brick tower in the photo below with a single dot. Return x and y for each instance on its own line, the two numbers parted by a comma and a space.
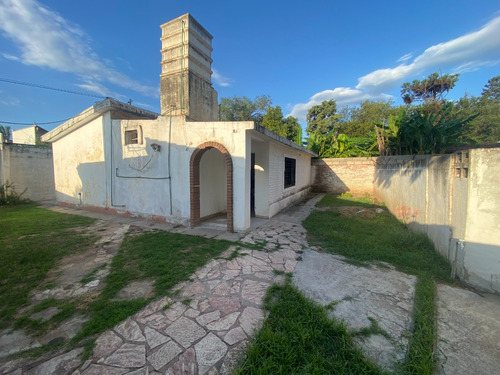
186, 70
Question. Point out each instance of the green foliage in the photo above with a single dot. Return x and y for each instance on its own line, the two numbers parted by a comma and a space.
431, 89
341, 146
240, 108
288, 128
5, 130
298, 337
322, 118
492, 89
357, 121
485, 128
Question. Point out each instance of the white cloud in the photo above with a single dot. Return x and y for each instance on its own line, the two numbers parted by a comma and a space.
46, 39
219, 79
463, 54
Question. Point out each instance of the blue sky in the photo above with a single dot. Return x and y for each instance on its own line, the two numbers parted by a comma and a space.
298, 52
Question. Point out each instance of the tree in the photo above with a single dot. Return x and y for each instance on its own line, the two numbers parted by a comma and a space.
492, 89
485, 128
322, 118
288, 128
240, 108
5, 130
430, 90
358, 121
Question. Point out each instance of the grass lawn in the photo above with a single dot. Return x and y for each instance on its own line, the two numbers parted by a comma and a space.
298, 338
33, 239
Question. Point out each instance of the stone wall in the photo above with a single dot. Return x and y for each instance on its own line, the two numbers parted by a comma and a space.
29, 168
454, 199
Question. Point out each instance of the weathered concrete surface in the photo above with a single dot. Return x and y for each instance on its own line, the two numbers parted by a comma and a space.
363, 295
469, 332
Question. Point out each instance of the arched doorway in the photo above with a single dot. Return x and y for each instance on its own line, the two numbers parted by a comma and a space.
195, 182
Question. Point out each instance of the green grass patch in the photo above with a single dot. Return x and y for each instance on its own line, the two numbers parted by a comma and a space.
32, 240
383, 238
345, 199
298, 337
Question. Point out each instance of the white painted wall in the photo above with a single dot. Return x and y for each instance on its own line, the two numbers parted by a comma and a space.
261, 150
26, 136
279, 197
79, 169
213, 183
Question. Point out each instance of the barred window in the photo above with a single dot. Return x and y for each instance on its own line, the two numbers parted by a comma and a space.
290, 165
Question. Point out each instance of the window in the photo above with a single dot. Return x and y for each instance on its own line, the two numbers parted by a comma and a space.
289, 172
131, 137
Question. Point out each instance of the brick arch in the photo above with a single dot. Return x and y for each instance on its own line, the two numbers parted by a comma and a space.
194, 182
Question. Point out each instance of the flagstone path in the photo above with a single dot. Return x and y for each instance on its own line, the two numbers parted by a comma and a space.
204, 329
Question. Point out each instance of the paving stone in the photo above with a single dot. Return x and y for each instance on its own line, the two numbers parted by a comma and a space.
45, 314
154, 338
208, 317
130, 331
106, 344
254, 291
235, 288
136, 289
204, 305
223, 323
154, 307
233, 265
235, 335
185, 331
92, 284
251, 319
208, 352
175, 311
225, 305
95, 369
290, 265
128, 355
156, 321
222, 289
193, 289
262, 255
232, 273
141, 371
191, 313
215, 274
164, 355
62, 364
186, 365
14, 342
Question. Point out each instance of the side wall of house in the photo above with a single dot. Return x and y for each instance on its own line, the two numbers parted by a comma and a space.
79, 167
30, 169
454, 199
279, 196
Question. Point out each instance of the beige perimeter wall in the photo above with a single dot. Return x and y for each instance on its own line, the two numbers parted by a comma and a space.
454, 199
29, 168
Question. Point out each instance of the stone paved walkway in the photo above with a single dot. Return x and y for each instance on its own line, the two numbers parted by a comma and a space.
205, 328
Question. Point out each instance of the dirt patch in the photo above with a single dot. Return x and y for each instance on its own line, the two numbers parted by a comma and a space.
355, 211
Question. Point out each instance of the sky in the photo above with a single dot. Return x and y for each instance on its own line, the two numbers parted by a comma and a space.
298, 52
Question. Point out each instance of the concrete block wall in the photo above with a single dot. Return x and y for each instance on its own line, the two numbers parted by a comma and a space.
29, 168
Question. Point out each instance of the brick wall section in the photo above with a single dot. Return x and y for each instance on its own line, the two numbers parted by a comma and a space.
341, 175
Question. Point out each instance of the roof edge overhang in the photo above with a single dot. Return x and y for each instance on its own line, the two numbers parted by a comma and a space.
275, 137
118, 110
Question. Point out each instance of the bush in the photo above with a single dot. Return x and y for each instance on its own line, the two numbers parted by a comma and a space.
9, 196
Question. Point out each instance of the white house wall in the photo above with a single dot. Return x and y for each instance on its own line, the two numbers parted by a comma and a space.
213, 191
279, 197
79, 168
261, 150
149, 195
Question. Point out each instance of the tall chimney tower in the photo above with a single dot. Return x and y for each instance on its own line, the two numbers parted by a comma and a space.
186, 70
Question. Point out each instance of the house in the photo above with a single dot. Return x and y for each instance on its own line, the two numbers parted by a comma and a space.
29, 135
182, 166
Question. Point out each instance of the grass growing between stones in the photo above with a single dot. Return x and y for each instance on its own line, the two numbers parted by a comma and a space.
32, 240
383, 238
299, 338
167, 258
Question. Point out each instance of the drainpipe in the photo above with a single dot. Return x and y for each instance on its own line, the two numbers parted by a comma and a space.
111, 172
182, 64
